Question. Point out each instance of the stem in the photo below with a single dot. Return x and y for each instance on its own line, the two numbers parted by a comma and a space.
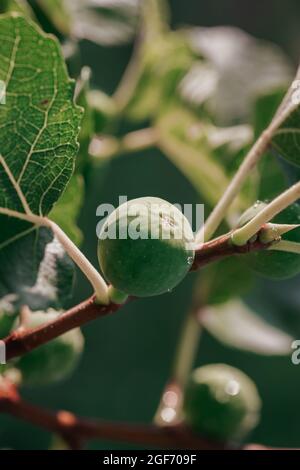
287, 246
222, 247
170, 406
109, 147
187, 349
116, 296
98, 283
288, 197
217, 215
74, 429
253, 156
22, 341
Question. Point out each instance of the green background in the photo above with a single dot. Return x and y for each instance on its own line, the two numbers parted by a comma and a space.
128, 355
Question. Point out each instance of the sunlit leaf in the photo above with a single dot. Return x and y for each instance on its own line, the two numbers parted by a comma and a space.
39, 123
105, 22
236, 325
245, 68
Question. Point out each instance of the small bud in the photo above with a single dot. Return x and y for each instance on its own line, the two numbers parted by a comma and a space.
273, 232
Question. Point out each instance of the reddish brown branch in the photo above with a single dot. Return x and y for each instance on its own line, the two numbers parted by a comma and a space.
73, 429
22, 341
222, 247
76, 431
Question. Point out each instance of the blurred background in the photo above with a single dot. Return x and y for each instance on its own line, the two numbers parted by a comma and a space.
128, 355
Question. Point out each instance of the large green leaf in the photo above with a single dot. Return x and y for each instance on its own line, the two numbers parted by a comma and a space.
39, 123
35, 271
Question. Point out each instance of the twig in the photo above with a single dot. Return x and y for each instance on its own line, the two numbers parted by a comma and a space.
218, 213
102, 147
95, 278
222, 247
20, 342
253, 156
73, 429
285, 199
76, 431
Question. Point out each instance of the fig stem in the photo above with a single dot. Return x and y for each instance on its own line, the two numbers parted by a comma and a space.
95, 278
249, 162
287, 246
241, 236
116, 296
108, 147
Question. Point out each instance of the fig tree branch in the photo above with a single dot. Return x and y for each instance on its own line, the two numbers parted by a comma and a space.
23, 341
79, 430
285, 199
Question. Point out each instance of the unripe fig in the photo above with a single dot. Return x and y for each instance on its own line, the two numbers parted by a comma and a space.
221, 402
53, 361
146, 247
272, 263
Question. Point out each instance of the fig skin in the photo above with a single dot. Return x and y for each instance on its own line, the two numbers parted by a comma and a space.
221, 402
146, 266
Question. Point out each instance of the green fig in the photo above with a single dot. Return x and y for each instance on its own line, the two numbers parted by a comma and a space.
146, 247
221, 402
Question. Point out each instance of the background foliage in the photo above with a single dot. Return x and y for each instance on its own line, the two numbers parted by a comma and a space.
128, 355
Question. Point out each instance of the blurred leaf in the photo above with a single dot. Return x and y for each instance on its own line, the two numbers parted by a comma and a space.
183, 138
65, 213
199, 84
105, 22
236, 325
58, 14
35, 271
222, 280
161, 65
19, 6
245, 68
